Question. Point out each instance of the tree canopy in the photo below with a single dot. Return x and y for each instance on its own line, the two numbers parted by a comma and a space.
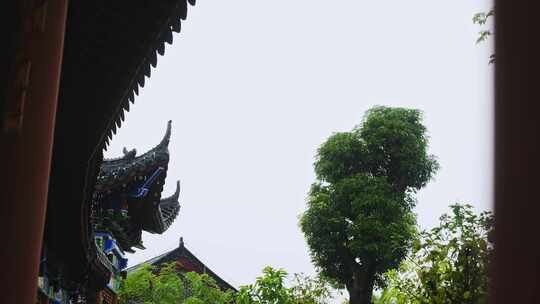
359, 221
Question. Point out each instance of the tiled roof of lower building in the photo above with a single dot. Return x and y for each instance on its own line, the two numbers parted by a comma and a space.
186, 262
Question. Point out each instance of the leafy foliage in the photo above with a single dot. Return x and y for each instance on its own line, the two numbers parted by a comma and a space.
481, 19
137, 286
203, 289
449, 263
270, 289
359, 222
307, 290
167, 286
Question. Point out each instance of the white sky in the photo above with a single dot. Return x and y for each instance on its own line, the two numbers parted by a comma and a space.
254, 87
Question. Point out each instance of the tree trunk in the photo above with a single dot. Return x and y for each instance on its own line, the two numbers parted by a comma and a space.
361, 289
359, 296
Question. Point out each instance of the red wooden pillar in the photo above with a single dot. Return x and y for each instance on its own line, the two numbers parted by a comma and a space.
516, 266
26, 138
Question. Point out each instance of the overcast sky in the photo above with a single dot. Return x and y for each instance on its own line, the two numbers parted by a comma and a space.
254, 87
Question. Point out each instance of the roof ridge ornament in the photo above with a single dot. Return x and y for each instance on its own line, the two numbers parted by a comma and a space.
129, 154
165, 141
173, 199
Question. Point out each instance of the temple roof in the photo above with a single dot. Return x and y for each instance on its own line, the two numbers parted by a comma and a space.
186, 261
120, 171
140, 179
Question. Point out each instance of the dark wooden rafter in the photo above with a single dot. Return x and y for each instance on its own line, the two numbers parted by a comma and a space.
162, 36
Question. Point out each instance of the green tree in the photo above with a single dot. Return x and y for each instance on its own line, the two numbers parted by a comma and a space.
137, 286
449, 263
167, 286
359, 221
270, 288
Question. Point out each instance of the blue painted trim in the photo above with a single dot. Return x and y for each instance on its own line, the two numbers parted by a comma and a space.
142, 191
